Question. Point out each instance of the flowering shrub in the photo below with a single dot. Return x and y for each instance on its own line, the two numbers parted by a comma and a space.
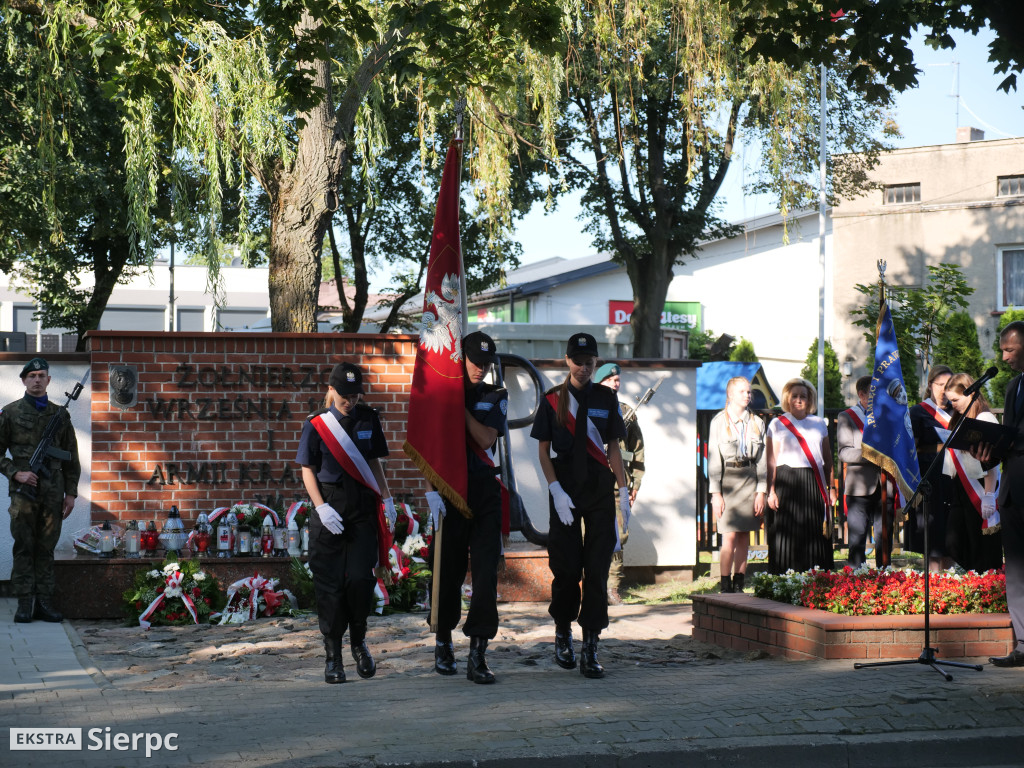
866, 591
170, 596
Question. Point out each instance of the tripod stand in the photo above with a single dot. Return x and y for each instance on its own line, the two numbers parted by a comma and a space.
928, 653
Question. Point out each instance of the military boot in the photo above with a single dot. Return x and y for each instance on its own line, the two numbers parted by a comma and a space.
476, 668
589, 665
365, 666
24, 613
565, 656
334, 672
444, 658
45, 611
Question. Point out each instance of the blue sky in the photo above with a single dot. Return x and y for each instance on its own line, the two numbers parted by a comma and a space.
929, 114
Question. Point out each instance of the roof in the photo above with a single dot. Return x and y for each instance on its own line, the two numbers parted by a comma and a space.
541, 276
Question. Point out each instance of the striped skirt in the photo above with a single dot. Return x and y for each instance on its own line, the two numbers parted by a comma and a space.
795, 530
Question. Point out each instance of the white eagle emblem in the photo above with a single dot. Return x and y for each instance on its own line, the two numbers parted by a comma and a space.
442, 328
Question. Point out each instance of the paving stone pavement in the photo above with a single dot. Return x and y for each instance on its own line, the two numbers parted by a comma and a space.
253, 696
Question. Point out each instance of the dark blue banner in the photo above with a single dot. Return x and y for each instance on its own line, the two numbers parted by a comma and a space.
888, 436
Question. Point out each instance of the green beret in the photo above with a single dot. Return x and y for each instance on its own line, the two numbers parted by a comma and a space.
35, 364
606, 371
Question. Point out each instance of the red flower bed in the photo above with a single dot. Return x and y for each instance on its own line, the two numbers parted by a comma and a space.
867, 592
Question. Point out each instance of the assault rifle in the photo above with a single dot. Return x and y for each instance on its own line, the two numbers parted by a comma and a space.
46, 449
644, 399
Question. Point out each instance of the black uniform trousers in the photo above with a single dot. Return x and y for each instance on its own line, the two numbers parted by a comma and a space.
863, 513
472, 542
584, 549
342, 565
966, 543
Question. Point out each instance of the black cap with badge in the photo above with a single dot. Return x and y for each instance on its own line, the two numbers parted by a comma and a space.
347, 379
35, 364
479, 349
581, 344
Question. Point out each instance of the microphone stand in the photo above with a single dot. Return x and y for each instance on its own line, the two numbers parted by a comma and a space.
928, 655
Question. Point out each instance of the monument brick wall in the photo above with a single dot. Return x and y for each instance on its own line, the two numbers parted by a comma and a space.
215, 418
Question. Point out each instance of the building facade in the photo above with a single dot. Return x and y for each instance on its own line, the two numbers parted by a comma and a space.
960, 203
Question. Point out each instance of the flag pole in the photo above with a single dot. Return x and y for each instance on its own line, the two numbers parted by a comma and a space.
435, 584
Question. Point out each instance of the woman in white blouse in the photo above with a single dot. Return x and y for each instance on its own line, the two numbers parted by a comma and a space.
973, 539
800, 490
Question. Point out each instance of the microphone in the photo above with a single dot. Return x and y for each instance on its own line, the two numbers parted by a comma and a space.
989, 374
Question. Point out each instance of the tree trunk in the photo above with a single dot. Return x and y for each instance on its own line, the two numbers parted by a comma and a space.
650, 278
110, 255
299, 212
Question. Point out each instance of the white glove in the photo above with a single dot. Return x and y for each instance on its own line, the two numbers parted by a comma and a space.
390, 513
435, 502
330, 519
563, 504
988, 505
624, 508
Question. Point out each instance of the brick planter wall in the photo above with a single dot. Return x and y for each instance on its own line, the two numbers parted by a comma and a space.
747, 623
218, 416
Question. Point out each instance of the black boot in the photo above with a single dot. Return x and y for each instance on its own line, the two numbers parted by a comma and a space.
444, 658
365, 666
333, 670
24, 613
565, 656
737, 582
589, 665
726, 585
46, 612
476, 668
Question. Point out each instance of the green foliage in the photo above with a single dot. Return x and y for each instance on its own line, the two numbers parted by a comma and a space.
833, 376
876, 35
700, 343
658, 96
743, 352
997, 386
958, 345
275, 93
918, 316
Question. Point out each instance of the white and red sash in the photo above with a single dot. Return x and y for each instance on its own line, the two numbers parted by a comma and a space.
347, 454
940, 416
973, 487
858, 422
595, 446
813, 455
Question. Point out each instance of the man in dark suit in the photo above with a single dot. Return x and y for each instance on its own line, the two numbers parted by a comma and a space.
1011, 491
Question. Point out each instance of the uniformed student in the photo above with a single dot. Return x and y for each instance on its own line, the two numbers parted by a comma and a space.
476, 539
35, 522
632, 449
340, 451
579, 427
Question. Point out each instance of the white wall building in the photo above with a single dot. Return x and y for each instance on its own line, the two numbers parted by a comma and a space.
762, 285
144, 304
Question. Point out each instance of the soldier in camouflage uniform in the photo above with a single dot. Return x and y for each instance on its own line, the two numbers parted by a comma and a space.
632, 449
35, 523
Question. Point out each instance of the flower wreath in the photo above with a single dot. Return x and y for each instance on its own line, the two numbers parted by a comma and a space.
256, 596
179, 593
